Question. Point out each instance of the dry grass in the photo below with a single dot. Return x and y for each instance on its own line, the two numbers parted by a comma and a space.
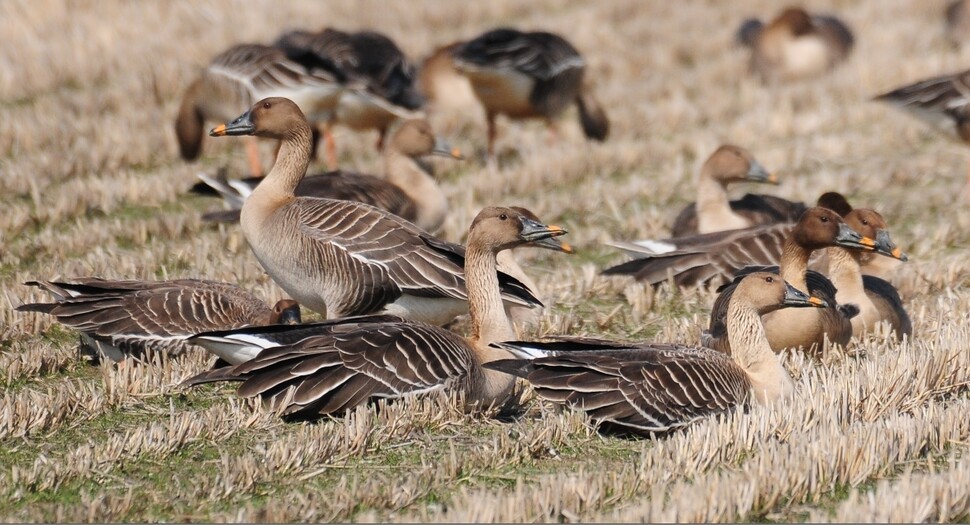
91, 185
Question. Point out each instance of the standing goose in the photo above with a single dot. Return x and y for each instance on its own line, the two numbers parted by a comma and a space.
529, 75
796, 44
337, 365
647, 388
727, 165
344, 258
381, 76
406, 190
715, 258
122, 318
242, 75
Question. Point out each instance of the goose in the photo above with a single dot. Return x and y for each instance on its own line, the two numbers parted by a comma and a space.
242, 75
870, 263
659, 387
943, 102
444, 88
529, 75
381, 76
345, 258
125, 318
336, 365
406, 190
729, 164
716, 257
957, 22
796, 44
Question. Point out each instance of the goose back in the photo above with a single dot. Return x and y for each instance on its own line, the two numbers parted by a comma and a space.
757, 208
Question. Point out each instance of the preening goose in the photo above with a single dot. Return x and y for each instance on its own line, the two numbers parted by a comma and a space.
796, 44
647, 388
343, 258
243, 74
529, 75
406, 190
942, 102
716, 257
346, 362
714, 212
380, 75
803, 329
121, 318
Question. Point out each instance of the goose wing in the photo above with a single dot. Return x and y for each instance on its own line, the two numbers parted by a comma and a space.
890, 305
265, 69
348, 362
642, 388
757, 208
938, 100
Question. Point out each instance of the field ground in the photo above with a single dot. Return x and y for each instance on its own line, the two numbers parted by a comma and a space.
91, 184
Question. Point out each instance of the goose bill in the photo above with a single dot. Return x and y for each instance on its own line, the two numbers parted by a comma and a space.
444, 149
243, 125
797, 298
885, 246
850, 238
758, 173
544, 236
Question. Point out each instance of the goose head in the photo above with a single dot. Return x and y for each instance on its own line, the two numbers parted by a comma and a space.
796, 20
415, 138
731, 163
503, 228
836, 202
821, 227
285, 311
273, 117
871, 224
767, 292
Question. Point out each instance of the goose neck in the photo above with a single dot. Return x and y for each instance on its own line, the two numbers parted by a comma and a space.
489, 320
794, 263
752, 352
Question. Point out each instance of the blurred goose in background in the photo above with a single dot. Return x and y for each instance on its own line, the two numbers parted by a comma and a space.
380, 76
406, 189
714, 212
715, 258
243, 74
796, 44
943, 102
819, 228
118, 319
957, 22
335, 366
529, 75
445, 89
647, 388
344, 258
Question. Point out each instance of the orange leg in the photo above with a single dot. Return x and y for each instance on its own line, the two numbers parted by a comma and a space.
330, 146
252, 153
380, 138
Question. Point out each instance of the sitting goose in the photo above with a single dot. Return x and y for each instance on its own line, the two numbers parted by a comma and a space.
529, 75
871, 263
796, 44
716, 257
122, 318
334, 366
243, 74
727, 165
647, 388
343, 258
406, 190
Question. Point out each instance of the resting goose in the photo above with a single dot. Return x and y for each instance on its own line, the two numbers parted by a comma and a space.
242, 75
529, 75
647, 388
716, 257
727, 165
871, 263
943, 102
343, 258
334, 366
380, 75
406, 190
122, 318
796, 44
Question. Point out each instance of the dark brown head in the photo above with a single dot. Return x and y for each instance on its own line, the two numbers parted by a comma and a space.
870, 224
731, 163
821, 227
767, 292
285, 311
836, 202
415, 138
796, 19
274, 118
501, 228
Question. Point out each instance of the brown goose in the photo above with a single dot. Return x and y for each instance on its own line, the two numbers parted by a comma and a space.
871, 263
716, 257
337, 365
727, 165
407, 189
796, 44
242, 75
529, 75
118, 319
442, 85
647, 388
343, 258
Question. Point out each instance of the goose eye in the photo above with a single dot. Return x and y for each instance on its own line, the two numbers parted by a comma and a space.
503, 217
865, 222
824, 219
266, 105
769, 279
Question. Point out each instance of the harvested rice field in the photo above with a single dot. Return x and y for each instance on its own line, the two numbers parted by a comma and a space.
91, 184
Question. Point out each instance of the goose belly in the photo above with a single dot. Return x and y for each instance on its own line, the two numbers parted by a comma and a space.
805, 56
504, 91
316, 102
437, 311
793, 328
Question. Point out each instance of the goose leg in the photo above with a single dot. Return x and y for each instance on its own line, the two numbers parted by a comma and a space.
252, 153
491, 135
382, 133
330, 146
552, 137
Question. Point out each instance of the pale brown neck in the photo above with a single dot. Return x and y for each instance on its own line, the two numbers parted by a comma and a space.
714, 211
291, 164
752, 352
845, 273
794, 264
489, 321
405, 173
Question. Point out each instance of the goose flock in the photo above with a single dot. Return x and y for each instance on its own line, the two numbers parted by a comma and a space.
363, 250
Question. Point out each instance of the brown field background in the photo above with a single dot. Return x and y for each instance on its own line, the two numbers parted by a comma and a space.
91, 184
